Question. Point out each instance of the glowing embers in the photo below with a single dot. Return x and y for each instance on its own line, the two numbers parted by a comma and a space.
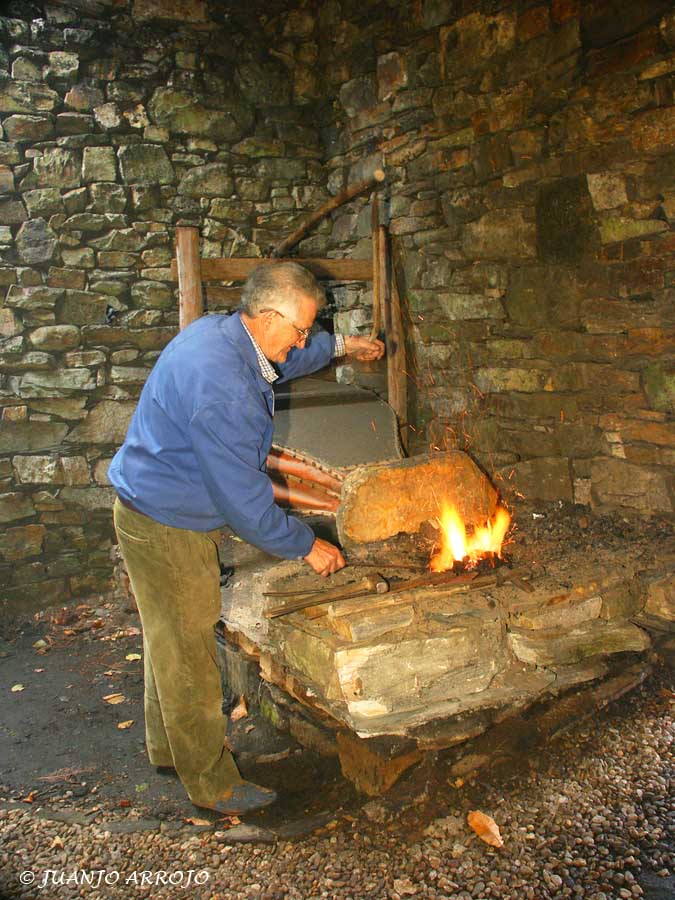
458, 546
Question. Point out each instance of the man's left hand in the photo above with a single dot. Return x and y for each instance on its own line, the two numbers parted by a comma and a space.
363, 348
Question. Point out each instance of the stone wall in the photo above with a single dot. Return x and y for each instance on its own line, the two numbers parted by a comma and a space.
530, 156
120, 120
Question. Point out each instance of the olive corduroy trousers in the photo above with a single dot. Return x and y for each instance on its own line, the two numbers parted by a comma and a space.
175, 577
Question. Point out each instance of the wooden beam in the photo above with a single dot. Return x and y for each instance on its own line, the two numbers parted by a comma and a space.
191, 305
353, 190
238, 268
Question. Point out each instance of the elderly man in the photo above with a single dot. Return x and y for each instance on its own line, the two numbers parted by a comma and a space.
194, 460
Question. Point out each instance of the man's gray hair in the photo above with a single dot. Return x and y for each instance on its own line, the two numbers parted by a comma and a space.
280, 286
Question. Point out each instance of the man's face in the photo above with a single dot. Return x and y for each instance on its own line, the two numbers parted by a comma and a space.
282, 330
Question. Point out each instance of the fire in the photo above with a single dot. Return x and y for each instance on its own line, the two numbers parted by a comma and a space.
456, 545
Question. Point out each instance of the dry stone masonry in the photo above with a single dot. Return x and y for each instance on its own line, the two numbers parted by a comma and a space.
530, 159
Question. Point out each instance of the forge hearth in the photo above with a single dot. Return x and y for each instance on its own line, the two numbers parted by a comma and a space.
435, 665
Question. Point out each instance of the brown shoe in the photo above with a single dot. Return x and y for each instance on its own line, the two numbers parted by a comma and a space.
244, 797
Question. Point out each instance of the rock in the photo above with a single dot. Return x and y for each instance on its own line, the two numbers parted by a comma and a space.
437, 12
621, 228
108, 116
90, 498
46, 201
373, 766
106, 423
607, 190
566, 231
93, 222
263, 84
392, 75
23, 542
145, 164
36, 242
55, 337
181, 113
500, 234
12, 212
107, 197
152, 294
492, 379
246, 834
381, 500
51, 470
543, 296
28, 128
84, 97
62, 65
26, 97
82, 308
79, 257
556, 648
211, 180
545, 478
56, 384
617, 483
173, 10
653, 131
15, 506
56, 168
358, 94
99, 164
30, 298
473, 41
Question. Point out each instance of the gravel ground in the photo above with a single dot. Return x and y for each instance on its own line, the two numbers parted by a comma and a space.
592, 816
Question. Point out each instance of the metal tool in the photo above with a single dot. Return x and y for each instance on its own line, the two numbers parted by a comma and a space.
370, 584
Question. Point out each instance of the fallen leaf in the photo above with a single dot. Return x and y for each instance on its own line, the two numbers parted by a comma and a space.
249, 728
124, 804
29, 798
195, 821
127, 724
142, 787
240, 711
114, 698
16, 688
56, 843
63, 616
668, 694
133, 656
38, 670
486, 828
40, 644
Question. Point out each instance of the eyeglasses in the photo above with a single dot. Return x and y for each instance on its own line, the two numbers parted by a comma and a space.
303, 332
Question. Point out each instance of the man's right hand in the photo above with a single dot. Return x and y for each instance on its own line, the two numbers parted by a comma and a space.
324, 557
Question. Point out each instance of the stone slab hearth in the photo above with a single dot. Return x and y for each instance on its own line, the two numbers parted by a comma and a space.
433, 667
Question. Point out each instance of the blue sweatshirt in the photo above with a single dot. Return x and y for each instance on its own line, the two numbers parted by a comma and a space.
195, 453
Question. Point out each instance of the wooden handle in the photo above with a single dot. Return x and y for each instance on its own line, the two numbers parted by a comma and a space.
344, 196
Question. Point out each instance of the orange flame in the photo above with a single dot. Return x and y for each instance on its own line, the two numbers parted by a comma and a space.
456, 545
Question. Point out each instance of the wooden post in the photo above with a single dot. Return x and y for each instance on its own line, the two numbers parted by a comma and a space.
190, 303
377, 270
397, 375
